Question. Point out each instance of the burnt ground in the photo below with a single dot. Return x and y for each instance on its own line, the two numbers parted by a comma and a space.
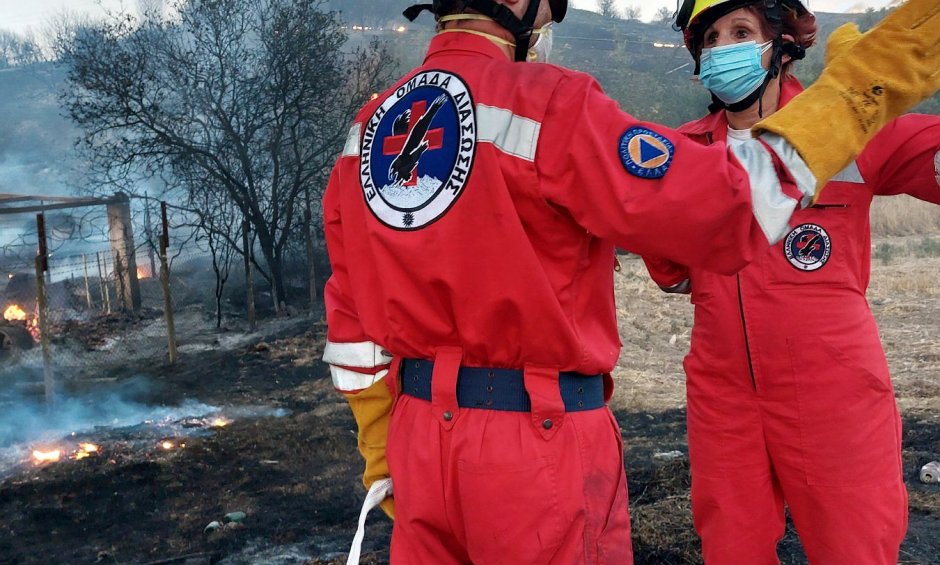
296, 476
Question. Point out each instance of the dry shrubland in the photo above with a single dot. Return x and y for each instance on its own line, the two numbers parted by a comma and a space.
904, 215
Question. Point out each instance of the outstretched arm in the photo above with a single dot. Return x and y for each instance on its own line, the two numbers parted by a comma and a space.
358, 365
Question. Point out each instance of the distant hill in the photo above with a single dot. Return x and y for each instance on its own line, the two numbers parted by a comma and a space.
642, 65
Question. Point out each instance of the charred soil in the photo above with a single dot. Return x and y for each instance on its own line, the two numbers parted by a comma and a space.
296, 476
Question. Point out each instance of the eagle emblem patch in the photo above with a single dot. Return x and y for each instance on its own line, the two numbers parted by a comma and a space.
645, 153
417, 150
807, 247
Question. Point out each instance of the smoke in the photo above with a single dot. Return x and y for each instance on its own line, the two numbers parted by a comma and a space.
27, 419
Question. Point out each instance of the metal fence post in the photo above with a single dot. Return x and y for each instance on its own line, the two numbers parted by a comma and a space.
87, 285
42, 267
165, 279
103, 283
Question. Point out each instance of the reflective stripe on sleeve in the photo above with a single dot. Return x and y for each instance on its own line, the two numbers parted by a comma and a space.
805, 179
510, 133
365, 354
345, 380
771, 206
351, 149
850, 174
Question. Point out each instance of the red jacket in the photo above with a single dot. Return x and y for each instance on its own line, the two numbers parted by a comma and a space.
501, 241
808, 289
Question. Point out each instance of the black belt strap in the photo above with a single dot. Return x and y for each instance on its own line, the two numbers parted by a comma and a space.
502, 389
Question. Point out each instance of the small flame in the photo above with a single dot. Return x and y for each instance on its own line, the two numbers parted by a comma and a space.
41, 457
167, 445
14, 313
84, 451
141, 274
33, 327
88, 448
220, 423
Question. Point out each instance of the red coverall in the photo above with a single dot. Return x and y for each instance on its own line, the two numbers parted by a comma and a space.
497, 250
789, 397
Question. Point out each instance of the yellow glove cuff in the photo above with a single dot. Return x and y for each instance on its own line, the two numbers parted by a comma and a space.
372, 410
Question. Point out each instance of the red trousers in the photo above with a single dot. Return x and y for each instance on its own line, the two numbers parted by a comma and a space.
823, 438
488, 487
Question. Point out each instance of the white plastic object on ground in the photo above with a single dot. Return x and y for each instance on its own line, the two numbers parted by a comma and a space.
930, 473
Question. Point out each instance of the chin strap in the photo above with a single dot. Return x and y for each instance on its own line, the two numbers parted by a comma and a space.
521, 29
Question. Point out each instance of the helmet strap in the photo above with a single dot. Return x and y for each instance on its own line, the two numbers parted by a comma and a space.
521, 29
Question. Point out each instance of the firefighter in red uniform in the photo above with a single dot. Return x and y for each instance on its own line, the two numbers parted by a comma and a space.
789, 397
471, 222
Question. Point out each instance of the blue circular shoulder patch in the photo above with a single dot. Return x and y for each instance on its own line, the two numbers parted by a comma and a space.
645, 153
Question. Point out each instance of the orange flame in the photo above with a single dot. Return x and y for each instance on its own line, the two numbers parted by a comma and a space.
85, 450
33, 327
141, 274
14, 313
41, 457
220, 423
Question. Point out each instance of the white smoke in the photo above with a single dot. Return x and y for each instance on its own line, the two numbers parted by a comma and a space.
25, 419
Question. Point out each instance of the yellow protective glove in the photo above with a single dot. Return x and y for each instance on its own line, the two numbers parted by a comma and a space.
841, 40
891, 68
372, 409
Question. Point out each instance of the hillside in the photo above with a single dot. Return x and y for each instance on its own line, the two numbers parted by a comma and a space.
642, 65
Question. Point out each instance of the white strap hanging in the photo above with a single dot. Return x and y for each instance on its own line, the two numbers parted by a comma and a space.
379, 491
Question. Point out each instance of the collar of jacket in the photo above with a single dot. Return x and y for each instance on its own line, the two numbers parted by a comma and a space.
447, 43
715, 126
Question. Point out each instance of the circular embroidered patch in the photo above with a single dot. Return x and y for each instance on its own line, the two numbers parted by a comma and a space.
645, 153
417, 150
807, 247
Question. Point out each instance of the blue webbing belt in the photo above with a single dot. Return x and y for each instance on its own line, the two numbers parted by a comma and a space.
501, 389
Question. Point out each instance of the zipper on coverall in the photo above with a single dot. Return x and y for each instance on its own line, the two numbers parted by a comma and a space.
747, 344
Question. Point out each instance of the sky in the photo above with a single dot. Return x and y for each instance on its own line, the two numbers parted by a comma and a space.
23, 15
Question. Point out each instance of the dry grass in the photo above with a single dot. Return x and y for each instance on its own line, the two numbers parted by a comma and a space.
655, 329
905, 298
904, 215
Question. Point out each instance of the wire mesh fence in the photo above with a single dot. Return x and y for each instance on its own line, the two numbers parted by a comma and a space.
85, 296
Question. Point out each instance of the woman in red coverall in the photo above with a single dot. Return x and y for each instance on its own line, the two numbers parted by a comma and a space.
789, 397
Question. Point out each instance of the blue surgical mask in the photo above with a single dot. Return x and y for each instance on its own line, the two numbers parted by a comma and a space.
733, 72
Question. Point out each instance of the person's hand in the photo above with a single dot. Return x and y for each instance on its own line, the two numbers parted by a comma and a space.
372, 409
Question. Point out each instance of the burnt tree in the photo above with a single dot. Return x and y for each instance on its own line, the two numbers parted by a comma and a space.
249, 98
